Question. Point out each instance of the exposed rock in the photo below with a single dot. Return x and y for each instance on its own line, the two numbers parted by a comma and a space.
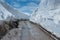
5, 26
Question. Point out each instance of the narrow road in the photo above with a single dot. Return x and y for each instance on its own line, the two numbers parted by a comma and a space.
26, 31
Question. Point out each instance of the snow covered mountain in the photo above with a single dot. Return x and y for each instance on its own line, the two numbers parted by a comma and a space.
17, 8
7, 12
48, 15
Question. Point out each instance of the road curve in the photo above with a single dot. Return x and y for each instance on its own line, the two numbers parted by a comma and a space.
27, 31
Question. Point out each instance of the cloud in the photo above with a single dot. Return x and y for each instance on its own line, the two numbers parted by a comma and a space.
22, 0
16, 5
29, 8
27, 0
24, 5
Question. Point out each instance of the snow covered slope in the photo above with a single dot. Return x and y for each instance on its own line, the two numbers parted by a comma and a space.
4, 14
48, 15
8, 12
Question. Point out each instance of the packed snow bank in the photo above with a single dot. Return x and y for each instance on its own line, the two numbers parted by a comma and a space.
48, 15
4, 14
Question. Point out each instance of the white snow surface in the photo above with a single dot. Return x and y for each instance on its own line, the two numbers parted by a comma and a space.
4, 14
7, 12
48, 15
